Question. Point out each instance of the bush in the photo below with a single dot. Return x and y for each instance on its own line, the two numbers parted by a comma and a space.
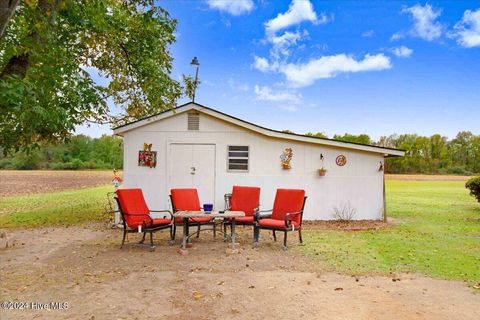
458, 171
6, 164
474, 186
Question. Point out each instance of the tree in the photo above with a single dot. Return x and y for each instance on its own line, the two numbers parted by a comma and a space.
51, 52
317, 135
362, 138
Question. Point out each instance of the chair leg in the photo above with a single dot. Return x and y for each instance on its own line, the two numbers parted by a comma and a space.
172, 235
174, 232
152, 247
143, 238
285, 241
198, 231
300, 236
214, 230
124, 235
256, 235
274, 235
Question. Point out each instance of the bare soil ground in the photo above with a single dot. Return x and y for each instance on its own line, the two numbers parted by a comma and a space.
17, 182
425, 177
84, 266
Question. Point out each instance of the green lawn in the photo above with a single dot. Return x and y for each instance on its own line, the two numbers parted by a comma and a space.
438, 234
437, 230
66, 207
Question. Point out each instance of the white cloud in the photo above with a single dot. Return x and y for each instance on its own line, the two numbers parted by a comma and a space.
299, 11
425, 25
467, 30
262, 64
236, 8
402, 52
397, 36
368, 34
267, 94
301, 75
281, 44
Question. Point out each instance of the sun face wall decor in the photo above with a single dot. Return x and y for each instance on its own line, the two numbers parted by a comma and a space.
341, 160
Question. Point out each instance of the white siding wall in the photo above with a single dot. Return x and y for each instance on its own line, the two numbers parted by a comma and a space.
358, 182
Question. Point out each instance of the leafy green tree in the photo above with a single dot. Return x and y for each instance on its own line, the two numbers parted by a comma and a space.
362, 138
49, 50
317, 135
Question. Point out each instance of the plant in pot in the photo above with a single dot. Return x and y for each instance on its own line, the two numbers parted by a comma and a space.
286, 157
322, 171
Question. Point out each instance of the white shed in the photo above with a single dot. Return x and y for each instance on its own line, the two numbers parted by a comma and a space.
200, 147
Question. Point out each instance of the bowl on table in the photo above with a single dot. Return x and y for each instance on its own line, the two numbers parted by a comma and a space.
208, 207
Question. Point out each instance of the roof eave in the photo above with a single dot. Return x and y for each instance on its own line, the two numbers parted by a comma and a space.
387, 152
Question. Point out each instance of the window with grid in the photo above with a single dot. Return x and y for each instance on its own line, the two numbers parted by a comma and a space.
238, 158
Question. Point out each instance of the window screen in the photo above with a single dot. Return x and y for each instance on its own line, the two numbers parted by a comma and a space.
238, 158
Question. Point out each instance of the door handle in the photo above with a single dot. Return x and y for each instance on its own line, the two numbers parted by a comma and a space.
193, 170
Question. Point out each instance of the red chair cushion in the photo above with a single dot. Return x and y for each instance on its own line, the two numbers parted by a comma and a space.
245, 199
288, 201
244, 220
132, 202
276, 224
185, 199
161, 222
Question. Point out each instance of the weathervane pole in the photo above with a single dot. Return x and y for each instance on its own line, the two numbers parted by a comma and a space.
197, 64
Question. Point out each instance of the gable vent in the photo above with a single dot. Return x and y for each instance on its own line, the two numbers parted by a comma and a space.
193, 121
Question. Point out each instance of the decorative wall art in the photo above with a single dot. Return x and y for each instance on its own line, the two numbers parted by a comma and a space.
286, 157
147, 157
117, 180
341, 160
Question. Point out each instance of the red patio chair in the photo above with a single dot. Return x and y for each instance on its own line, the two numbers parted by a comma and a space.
286, 215
246, 199
135, 214
187, 200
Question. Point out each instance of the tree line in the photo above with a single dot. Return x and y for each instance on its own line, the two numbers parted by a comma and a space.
429, 155
78, 152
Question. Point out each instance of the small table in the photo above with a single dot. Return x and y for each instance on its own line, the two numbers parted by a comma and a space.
186, 215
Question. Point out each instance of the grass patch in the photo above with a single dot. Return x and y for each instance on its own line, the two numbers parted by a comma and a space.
66, 207
438, 235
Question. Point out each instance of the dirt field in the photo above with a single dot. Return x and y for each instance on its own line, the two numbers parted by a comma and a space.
84, 267
16, 182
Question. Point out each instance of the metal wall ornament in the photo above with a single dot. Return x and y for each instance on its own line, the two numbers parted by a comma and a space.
286, 157
147, 157
381, 168
341, 160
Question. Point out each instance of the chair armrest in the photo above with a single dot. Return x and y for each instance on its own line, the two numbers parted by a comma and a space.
167, 211
260, 214
288, 220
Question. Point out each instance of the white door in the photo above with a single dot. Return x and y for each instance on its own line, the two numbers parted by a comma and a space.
193, 166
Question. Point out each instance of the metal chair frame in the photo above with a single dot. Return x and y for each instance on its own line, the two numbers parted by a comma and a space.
146, 227
288, 226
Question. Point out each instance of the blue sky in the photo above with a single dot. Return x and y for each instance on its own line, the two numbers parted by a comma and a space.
375, 67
